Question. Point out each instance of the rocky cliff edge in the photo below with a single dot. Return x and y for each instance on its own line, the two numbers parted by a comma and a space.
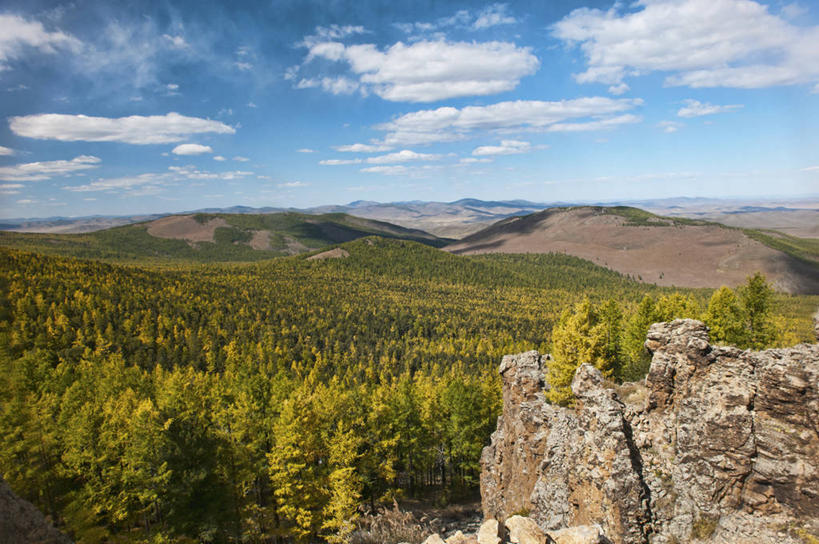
717, 445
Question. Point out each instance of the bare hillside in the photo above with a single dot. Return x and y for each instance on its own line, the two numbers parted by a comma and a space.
654, 249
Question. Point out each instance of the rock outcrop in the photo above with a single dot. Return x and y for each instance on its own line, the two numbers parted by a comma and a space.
717, 445
22, 523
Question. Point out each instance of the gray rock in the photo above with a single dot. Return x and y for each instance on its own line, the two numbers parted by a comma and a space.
22, 523
721, 445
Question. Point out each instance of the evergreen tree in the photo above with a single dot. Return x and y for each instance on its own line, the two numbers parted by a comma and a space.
577, 338
756, 297
725, 318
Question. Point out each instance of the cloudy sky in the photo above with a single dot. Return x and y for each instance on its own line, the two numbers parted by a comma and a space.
135, 107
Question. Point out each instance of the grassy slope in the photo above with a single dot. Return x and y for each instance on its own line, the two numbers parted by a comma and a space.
134, 243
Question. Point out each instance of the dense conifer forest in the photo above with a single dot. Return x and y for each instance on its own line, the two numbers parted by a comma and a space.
267, 401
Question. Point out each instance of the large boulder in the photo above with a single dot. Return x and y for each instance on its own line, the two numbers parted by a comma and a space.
22, 523
717, 445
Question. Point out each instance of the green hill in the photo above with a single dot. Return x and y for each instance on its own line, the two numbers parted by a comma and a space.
215, 237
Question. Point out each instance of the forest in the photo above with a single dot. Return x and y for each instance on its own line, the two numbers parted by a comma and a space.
268, 401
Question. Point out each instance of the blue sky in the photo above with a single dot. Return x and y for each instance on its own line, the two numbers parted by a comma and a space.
140, 107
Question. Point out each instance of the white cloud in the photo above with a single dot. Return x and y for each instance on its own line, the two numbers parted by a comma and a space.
619, 89
243, 66
38, 171
6, 151
425, 71
123, 183
10, 188
339, 162
473, 160
305, 150
190, 172
191, 149
695, 108
136, 129
493, 15
669, 126
292, 185
810, 169
507, 147
219, 158
177, 42
17, 36
447, 124
362, 148
702, 43
388, 170
239, 158
332, 32
332, 85
404, 155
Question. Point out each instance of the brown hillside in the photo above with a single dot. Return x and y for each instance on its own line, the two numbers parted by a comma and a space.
185, 227
666, 254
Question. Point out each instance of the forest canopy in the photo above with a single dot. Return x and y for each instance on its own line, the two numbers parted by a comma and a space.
246, 402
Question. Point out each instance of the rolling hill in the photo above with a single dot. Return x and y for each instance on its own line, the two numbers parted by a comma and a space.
207, 237
655, 249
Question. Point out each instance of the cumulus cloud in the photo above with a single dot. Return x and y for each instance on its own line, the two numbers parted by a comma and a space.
18, 35
305, 150
451, 124
239, 158
136, 129
219, 158
38, 171
695, 108
191, 149
702, 43
507, 147
6, 152
292, 185
424, 71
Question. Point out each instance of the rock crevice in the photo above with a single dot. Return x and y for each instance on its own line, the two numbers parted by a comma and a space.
716, 445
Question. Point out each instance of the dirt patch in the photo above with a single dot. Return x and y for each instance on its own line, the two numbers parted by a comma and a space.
336, 253
261, 240
294, 247
685, 256
185, 227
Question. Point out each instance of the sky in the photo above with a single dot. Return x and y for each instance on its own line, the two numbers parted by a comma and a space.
121, 108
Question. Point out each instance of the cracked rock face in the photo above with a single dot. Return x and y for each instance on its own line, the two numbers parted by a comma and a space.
718, 444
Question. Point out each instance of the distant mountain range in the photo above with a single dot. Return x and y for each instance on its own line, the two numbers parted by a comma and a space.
672, 251
466, 216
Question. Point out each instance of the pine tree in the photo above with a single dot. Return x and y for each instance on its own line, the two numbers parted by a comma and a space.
578, 338
756, 297
725, 318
